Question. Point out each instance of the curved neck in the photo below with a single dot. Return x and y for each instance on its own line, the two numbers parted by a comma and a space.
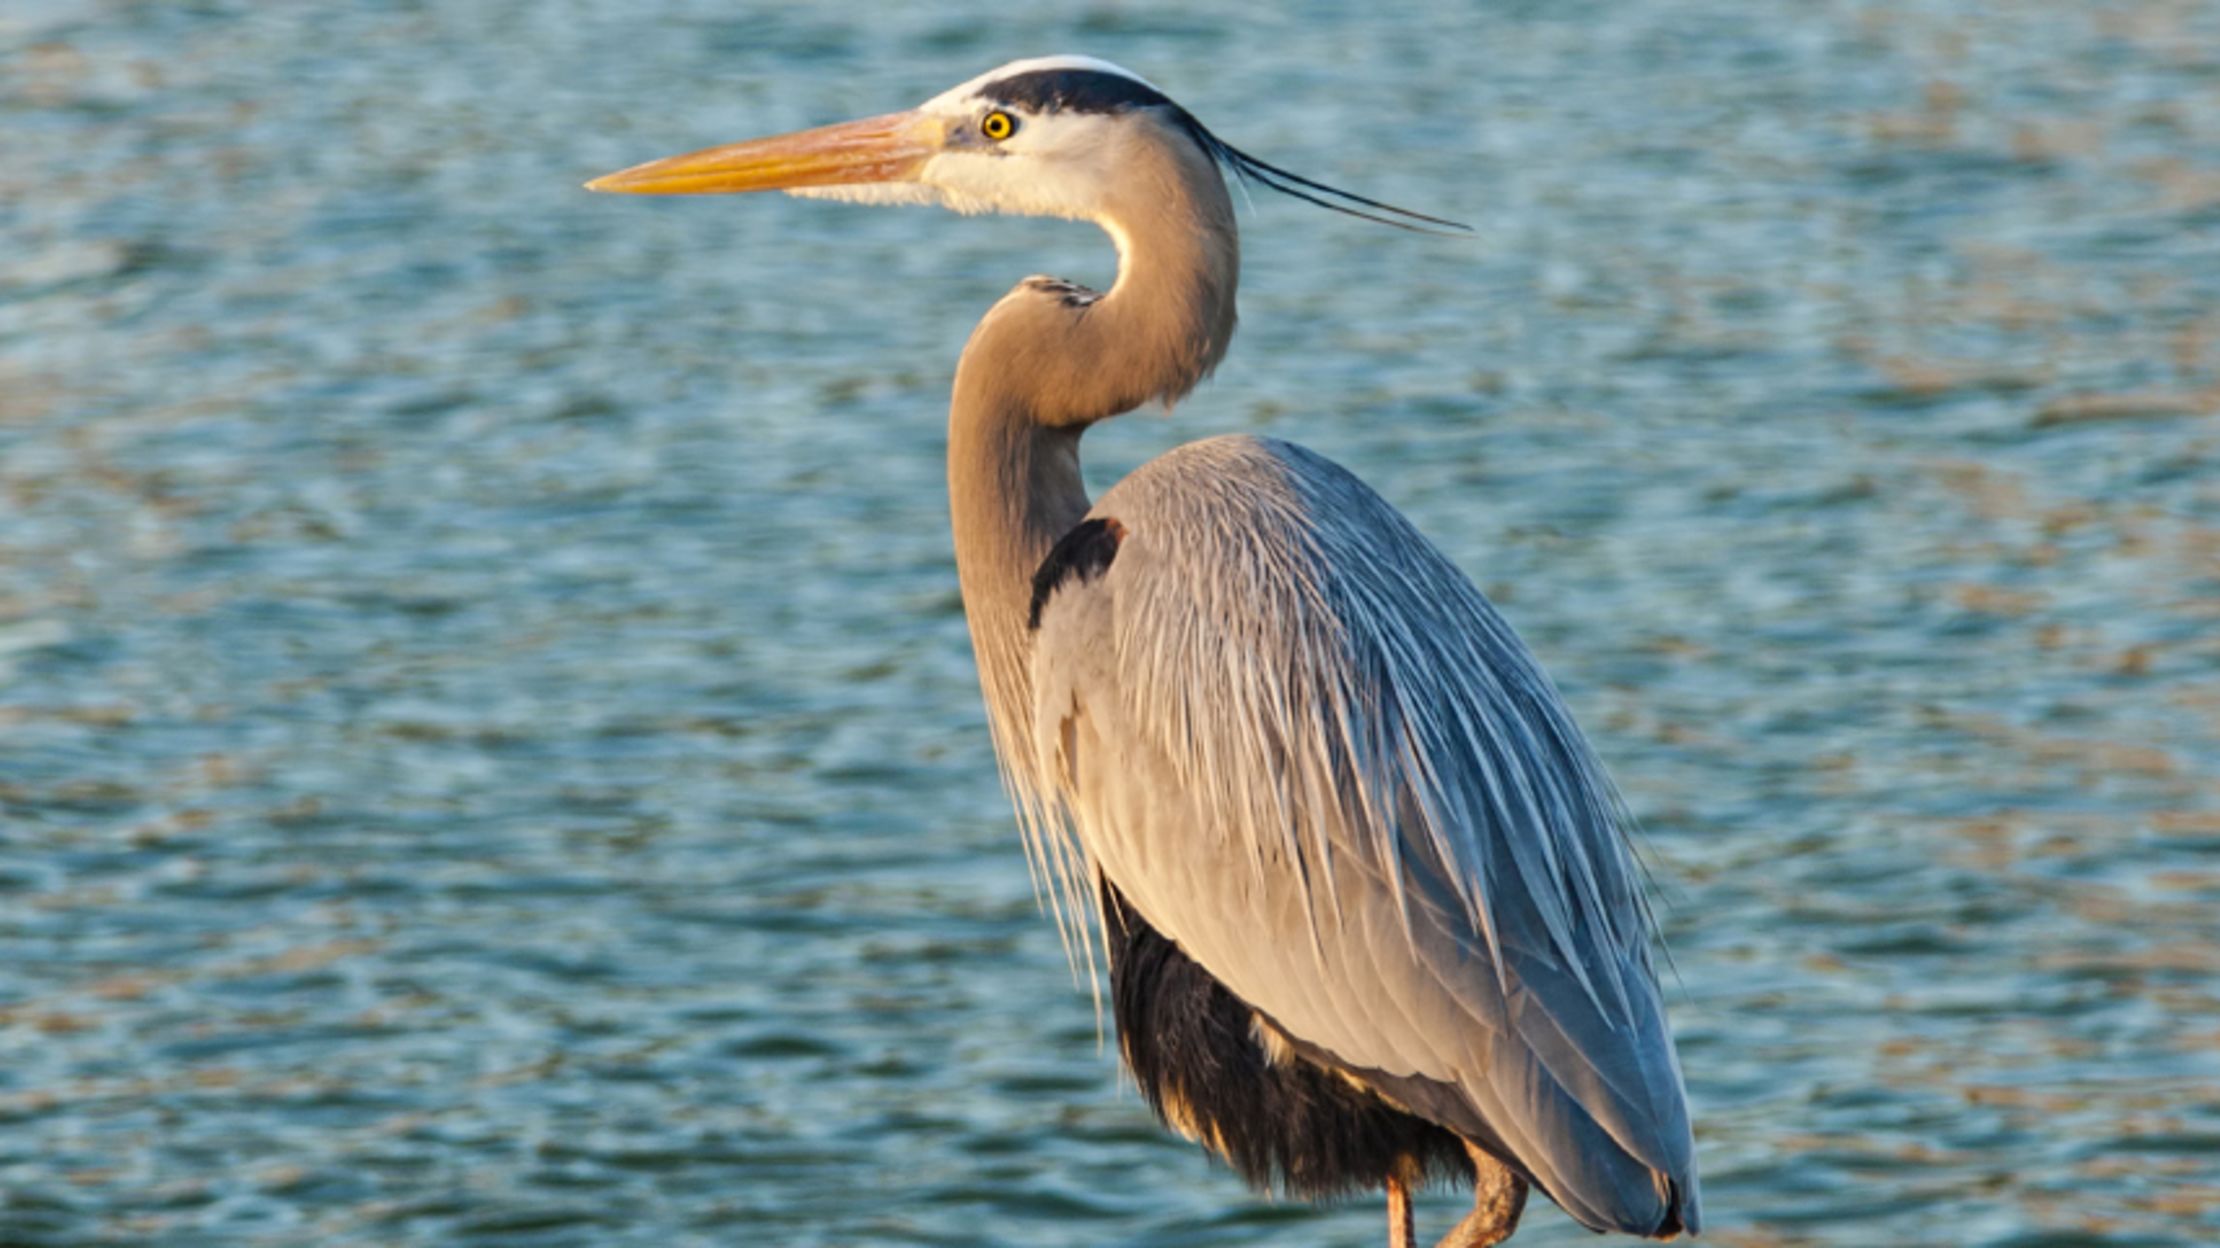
1052, 358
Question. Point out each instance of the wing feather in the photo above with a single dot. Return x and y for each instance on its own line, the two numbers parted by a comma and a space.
1306, 749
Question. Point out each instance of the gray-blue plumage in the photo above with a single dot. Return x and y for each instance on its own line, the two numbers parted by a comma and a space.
1309, 751
1363, 889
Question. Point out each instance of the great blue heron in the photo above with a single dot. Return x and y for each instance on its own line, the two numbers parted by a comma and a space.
1363, 887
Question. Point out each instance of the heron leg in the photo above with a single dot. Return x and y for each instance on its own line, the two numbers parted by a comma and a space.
1402, 1225
1498, 1198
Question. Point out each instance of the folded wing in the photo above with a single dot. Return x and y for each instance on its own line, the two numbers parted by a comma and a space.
1303, 745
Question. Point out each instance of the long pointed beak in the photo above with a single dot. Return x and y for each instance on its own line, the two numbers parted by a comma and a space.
875, 149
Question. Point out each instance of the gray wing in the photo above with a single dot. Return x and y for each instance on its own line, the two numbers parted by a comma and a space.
1307, 749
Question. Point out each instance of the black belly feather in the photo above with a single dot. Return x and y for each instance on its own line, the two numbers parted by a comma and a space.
1292, 1125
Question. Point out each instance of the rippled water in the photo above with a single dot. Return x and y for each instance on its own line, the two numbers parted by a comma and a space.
488, 749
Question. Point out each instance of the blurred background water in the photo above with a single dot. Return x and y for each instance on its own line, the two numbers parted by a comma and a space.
488, 747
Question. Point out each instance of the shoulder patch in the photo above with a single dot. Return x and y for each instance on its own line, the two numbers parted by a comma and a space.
1084, 553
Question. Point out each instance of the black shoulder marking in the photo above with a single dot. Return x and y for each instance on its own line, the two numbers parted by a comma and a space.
1084, 552
1073, 90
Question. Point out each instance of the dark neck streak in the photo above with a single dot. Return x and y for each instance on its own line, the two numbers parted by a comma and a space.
1045, 363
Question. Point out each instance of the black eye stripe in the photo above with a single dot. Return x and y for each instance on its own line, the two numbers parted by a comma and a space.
1075, 90
1072, 90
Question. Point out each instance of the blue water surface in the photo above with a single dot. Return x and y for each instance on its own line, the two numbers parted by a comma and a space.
488, 745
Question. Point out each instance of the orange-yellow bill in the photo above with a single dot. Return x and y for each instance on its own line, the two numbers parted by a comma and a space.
875, 149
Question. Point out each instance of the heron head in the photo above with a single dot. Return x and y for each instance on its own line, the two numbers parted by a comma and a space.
1055, 136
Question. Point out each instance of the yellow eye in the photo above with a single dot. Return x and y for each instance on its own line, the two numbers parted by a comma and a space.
998, 125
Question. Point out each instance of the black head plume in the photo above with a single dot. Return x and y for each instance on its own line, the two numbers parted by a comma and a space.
1089, 89
1249, 169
